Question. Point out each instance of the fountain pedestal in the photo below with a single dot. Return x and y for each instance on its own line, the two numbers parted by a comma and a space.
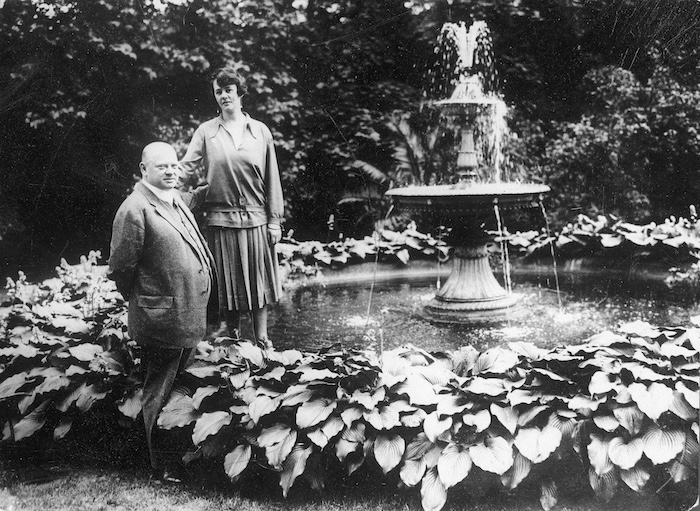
471, 294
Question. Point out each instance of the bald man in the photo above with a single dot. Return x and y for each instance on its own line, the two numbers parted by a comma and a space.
162, 266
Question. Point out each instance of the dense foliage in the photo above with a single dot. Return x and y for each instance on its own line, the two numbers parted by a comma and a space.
84, 84
623, 406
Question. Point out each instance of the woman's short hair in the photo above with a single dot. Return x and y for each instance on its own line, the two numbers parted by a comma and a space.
228, 76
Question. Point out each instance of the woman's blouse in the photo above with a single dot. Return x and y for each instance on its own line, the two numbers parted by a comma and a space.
244, 183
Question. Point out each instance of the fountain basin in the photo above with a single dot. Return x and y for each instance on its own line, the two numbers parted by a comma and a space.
467, 199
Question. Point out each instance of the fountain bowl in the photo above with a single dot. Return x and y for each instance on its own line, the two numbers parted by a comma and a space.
467, 198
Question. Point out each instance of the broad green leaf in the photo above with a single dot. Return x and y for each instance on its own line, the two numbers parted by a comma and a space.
415, 419
602, 383
251, 353
530, 414
314, 412
653, 401
130, 406
237, 460
62, 429
452, 405
209, 424
277, 453
11, 384
86, 351
496, 361
383, 417
301, 394
454, 465
419, 391
636, 478
261, 406
584, 404
481, 420
388, 450
607, 423
88, 396
523, 397
662, 445
350, 440
631, 418
625, 454
332, 427
72, 325
350, 415
537, 445
178, 412
273, 435
239, 379
203, 392
693, 398
32, 422
433, 492
494, 455
598, 455
507, 416
604, 485
294, 466
519, 471
565, 421
310, 375
549, 494
412, 471
368, 400
680, 407
434, 427
486, 386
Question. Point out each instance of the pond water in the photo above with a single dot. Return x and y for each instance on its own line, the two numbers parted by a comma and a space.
314, 317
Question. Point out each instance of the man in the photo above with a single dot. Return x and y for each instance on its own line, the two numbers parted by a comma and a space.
162, 266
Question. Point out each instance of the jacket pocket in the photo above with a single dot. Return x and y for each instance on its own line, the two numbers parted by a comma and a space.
155, 302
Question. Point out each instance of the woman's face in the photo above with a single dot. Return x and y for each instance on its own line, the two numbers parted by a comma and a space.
227, 97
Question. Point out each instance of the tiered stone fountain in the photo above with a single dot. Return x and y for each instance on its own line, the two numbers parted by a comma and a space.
471, 293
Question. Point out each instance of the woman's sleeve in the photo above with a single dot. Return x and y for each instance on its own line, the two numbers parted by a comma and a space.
273, 185
195, 153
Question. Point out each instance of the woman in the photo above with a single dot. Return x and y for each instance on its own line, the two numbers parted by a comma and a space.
244, 204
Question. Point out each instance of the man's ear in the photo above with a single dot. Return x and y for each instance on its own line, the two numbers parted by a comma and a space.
142, 167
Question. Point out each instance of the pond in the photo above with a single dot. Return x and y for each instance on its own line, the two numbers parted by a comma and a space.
314, 317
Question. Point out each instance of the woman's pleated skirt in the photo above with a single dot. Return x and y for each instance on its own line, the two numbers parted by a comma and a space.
246, 263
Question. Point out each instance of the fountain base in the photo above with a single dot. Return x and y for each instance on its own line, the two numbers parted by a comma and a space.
471, 293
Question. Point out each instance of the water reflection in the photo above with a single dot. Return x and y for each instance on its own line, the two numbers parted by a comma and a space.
314, 317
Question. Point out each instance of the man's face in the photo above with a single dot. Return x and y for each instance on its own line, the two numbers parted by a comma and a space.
161, 168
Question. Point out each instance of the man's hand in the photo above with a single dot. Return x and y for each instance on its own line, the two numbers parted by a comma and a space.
274, 233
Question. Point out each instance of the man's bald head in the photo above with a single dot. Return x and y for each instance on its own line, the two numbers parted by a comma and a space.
159, 165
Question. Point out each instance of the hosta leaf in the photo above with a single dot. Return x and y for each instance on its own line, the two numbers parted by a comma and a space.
598, 455
130, 406
433, 492
604, 485
88, 396
529, 414
565, 421
273, 435
537, 445
680, 407
419, 392
350, 415
607, 423
636, 478
209, 424
434, 427
680, 472
62, 429
602, 383
71, 325
583, 403
454, 465
350, 440
32, 422
237, 460
239, 379
415, 419
314, 412
452, 405
691, 451
86, 351
412, 471
251, 353
388, 450
692, 397
417, 448
517, 473
652, 401
494, 455
507, 416
261, 406
11, 384
310, 375
625, 454
523, 397
549, 495
662, 445
277, 453
496, 360
481, 420
486, 386
203, 392
178, 412
631, 418
294, 466
332, 427
297, 395
384, 417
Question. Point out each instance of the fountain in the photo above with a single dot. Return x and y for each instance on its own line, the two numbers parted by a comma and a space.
471, 293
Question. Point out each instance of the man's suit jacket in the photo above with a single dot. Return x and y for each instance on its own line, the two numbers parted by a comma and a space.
158, 269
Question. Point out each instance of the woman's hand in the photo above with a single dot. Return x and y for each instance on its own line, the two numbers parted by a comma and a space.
274, 233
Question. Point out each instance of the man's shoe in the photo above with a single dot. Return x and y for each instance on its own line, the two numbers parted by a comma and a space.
169, 475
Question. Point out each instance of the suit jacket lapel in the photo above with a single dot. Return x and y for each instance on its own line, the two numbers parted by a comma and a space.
162, 210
